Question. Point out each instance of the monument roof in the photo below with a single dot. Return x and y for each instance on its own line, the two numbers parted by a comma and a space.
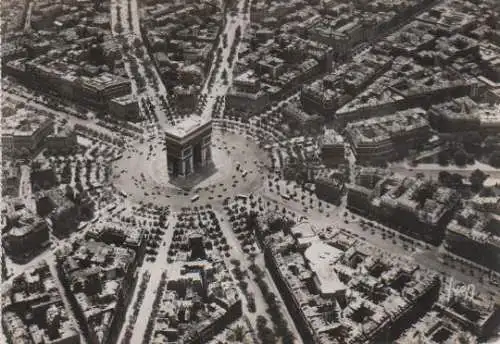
186, 126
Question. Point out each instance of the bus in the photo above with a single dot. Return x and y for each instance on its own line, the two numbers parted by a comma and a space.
195, 198
241, 196
285, 196
123, 193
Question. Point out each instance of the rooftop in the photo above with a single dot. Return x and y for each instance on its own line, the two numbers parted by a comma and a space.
36, 289
103, 81
332, 137
322, 258
248, 77
384, 128
346, 267
126, 233
198, 284
125, 99
448, 15
476, 225
449, 46
187, 126
24, 221
462, 107
97, 274
424, 199
98, 255
343, 24
436, 327
466, 108
62, 131
23, 123
413, 36
474, 308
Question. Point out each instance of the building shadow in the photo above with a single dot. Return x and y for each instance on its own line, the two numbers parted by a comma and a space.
192, 180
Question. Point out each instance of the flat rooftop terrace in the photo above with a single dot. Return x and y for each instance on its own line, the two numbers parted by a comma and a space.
186, 127
103, 81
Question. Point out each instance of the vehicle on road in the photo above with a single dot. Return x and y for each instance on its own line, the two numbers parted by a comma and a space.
285, 196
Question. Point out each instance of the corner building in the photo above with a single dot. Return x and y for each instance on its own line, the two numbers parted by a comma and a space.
188, 146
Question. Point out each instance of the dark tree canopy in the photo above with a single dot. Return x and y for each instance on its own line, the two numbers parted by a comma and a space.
477, 179
460, 157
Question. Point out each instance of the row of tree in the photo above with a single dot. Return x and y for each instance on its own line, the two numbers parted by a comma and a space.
156, 307
136, 307
281, 329
455, 180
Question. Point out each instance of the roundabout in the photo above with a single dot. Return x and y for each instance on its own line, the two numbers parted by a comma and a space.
239, 165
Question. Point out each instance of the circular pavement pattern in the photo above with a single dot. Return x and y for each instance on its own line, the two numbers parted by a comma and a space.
142, 174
